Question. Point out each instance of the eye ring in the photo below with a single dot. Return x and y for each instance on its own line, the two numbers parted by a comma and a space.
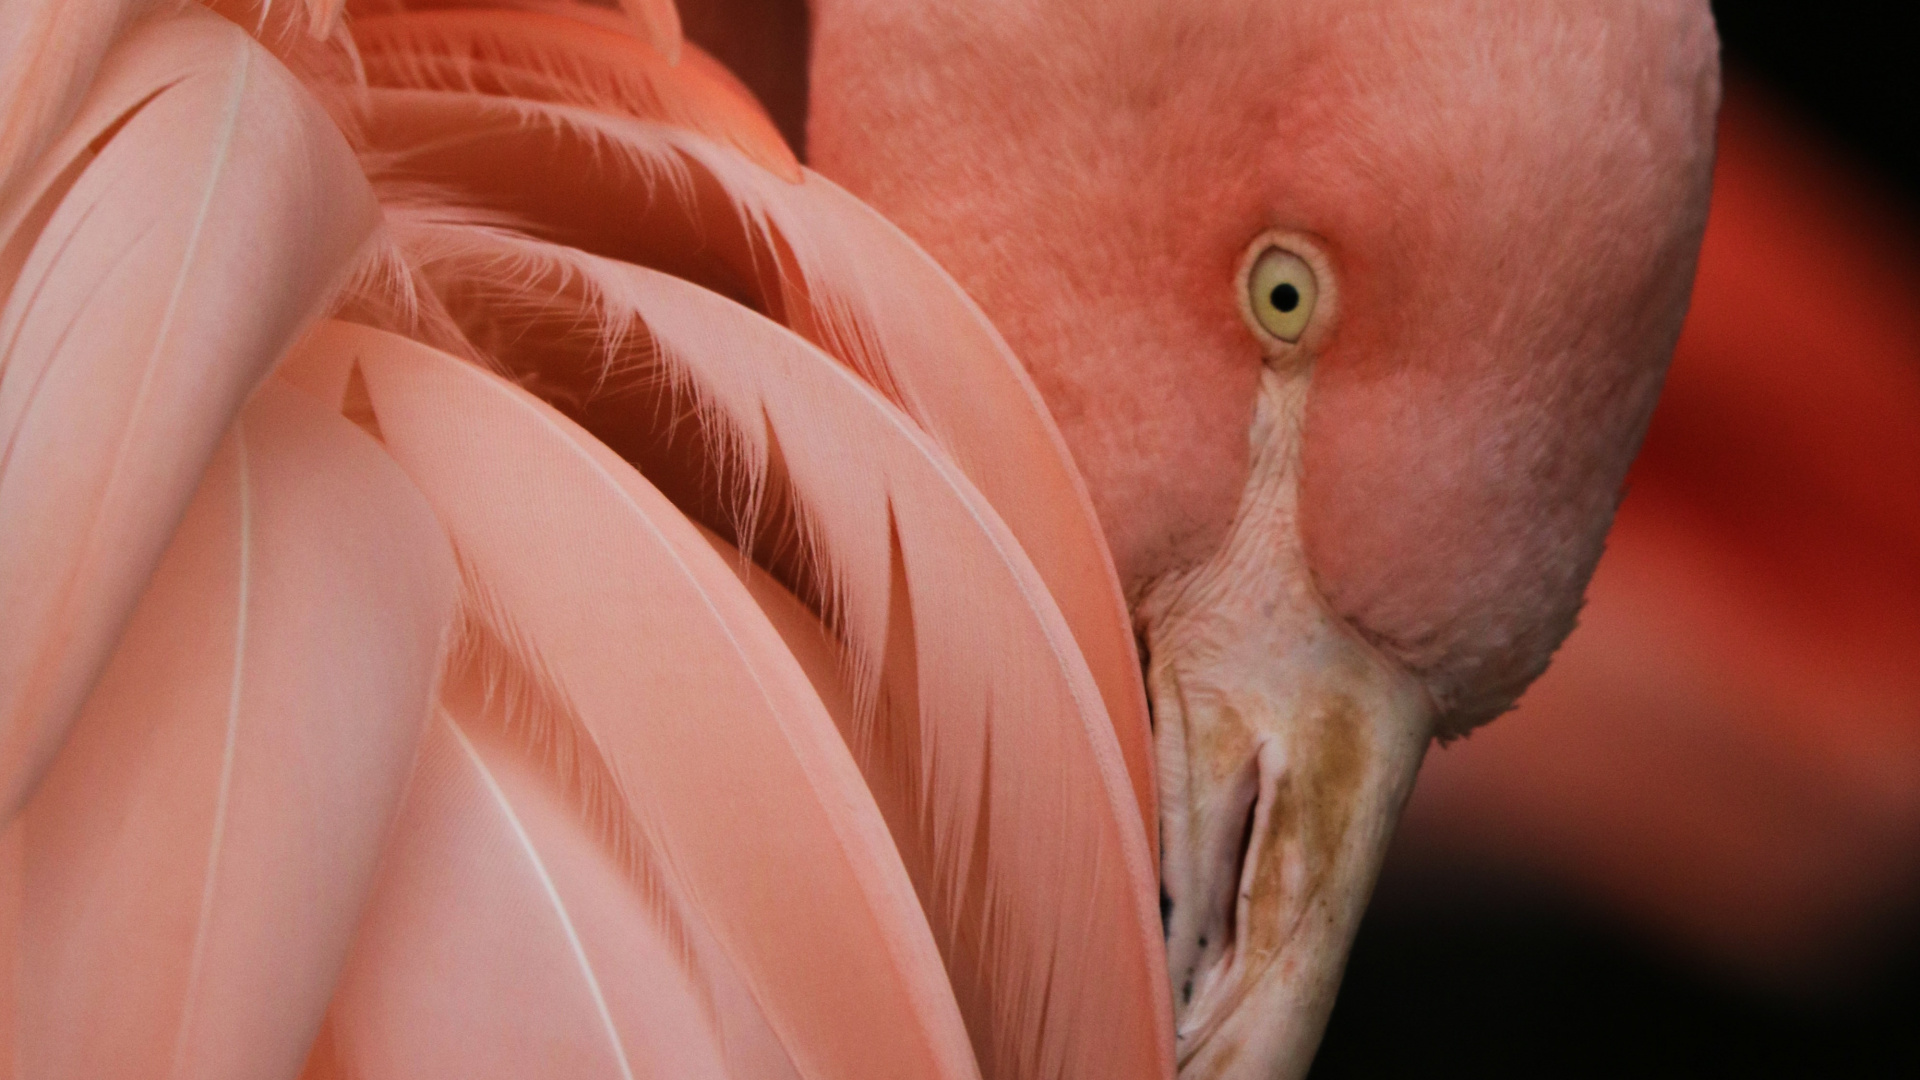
1285, 292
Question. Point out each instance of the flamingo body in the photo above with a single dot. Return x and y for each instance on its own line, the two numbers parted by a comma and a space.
753, 682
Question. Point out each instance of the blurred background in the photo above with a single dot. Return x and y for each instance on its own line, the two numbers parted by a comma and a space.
1695, 849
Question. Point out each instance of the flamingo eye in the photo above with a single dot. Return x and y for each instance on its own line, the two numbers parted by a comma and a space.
1282, 292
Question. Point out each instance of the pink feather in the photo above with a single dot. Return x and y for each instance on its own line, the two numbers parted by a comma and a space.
499, 912
814, 258
220, 215
225, 794
655, 23
638, 838
990, 754
49, 53
719, 759
555, 55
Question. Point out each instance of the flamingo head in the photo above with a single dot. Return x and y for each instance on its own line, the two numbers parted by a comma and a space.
1352, 313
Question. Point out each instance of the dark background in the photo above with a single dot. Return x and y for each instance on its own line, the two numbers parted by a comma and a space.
1522, 982
1512, 979
1844, 66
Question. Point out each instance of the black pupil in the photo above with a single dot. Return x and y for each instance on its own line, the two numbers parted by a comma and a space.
1284, 297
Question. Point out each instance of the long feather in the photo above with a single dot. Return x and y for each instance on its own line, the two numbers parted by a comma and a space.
503, 941
810, 256
992, 757
634, 980
655, 22
128, 79
823, 656
199, 853
182, 262
548, 55
276, 22
820, 653
310, 37
49, 52
723, 761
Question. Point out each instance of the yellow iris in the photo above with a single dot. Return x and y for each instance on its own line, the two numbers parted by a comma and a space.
1282, 290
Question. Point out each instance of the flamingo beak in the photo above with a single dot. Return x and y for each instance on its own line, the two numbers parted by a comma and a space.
1286, 748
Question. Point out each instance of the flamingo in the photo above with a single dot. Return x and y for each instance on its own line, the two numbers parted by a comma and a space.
509, 572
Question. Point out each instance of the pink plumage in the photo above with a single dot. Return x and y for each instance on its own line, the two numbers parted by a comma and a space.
509, 572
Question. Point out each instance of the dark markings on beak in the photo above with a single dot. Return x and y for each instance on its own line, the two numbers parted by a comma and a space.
1313, 809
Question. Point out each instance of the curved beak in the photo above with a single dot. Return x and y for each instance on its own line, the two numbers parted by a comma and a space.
1286, 749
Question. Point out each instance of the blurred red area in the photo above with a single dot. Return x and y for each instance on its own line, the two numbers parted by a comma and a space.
1726, 753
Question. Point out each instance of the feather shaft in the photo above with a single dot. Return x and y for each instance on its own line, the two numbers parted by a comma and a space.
136, 327
814, 258
200, 851
729, 768
990, 756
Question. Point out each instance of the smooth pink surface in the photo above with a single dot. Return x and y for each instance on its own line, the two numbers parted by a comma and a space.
197, 858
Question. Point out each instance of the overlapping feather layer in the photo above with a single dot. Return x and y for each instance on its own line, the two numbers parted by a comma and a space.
506, 574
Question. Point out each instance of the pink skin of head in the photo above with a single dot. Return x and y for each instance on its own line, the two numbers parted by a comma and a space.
1509, 197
